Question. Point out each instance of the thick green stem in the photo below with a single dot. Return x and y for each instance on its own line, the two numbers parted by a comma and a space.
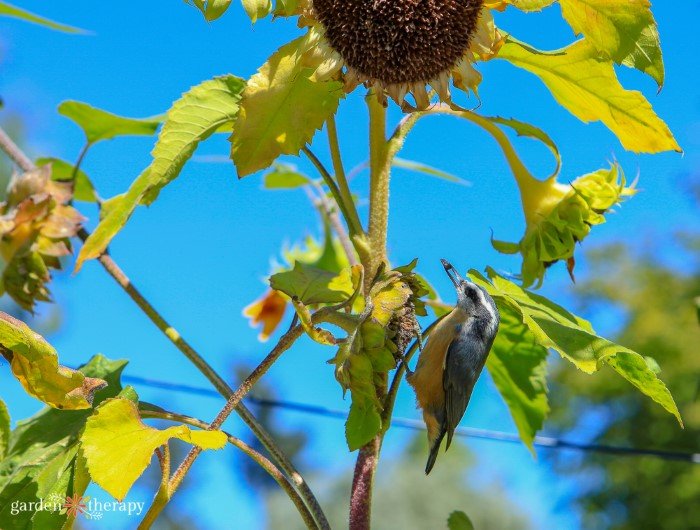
378, 188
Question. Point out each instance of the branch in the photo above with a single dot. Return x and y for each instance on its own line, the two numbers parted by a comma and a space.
16, 154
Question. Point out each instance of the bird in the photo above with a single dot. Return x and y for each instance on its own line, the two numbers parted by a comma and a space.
452, 360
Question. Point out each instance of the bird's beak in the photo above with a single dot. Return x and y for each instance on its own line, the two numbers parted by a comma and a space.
450, 270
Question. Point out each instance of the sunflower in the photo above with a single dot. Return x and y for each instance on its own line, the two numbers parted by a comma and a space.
400, 47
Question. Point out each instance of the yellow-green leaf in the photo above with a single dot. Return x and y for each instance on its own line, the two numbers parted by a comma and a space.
34, 363
283, 105
315, 286
256, 8
12, 11
523, 5
573, 337
624, 30
586, 85
118, 446
518, 367
191, 119
99, 125
4, 429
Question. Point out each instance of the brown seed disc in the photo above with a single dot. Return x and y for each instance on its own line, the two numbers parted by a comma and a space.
397, 41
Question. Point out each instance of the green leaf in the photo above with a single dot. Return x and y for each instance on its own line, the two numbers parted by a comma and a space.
34, 363
458, 520
257, 8
314, 286
283, 105
573, 337
285, 176
118, 446
530, 131
586, 85
43, 457
523, 5
216, 8
62, 171
624, 30
102, 125
423, 168
4, 429
364, 422
285, 8
518, 366
12, 11
192, 119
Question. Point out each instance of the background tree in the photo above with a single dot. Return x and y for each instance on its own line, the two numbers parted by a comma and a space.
654, 289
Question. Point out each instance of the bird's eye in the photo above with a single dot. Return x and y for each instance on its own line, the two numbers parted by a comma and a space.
471, 293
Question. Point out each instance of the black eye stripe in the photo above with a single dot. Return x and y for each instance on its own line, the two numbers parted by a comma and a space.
471, 293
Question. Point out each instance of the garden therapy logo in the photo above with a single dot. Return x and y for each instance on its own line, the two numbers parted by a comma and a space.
76, 505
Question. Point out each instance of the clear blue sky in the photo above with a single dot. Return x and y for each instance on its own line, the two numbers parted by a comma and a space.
200, 253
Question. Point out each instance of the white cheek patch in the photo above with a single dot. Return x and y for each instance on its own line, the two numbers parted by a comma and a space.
484, 303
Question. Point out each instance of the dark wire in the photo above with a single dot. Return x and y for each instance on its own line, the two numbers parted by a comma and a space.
546, 442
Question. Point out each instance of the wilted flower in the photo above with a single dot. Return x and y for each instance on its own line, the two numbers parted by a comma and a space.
36, 222
269, 309
558, 216
400, 46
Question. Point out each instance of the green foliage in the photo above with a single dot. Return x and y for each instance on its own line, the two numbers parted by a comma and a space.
315, 286
100, 125
118, 446
34, 363
193, 118
4, 429
518, 367
554, 327
586, 85
659, 320
283, 105
43, 454
459, 520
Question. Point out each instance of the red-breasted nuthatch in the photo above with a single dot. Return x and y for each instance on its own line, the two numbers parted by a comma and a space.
452, 360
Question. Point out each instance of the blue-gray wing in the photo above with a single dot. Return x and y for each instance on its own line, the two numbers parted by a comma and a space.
463, 366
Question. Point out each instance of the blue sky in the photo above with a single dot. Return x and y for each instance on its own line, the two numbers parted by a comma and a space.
201, 252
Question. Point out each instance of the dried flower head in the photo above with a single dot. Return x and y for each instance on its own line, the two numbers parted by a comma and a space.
36, 222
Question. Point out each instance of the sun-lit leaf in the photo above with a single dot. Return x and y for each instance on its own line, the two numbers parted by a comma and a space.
458, 520
62, 171
518, 367
530, 131
573, 337
285, 8
257, 8
4, 429
216, 8
285, 176
99, 125
624, 30
523, 5
34, 363
191, 119
314, 286
283, 105
118, 446
12, 11
424, 168
43, 456
586, 85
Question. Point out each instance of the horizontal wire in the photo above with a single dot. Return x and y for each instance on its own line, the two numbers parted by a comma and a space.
546, 442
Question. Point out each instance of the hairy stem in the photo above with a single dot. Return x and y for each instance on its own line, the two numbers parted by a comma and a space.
14, 152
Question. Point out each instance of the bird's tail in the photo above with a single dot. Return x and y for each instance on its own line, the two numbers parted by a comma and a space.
434, 450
